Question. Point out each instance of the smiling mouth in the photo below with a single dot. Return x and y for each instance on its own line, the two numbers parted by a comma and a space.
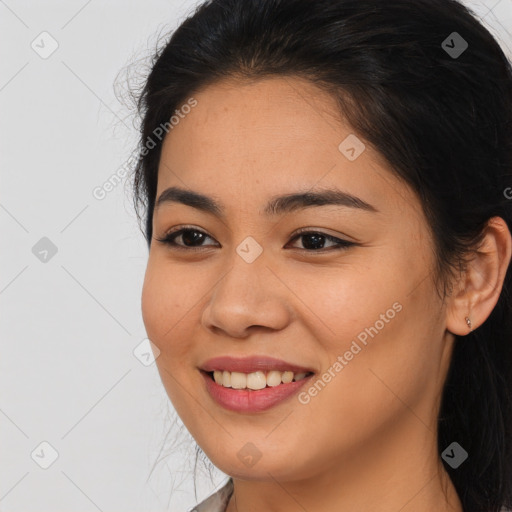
256, 380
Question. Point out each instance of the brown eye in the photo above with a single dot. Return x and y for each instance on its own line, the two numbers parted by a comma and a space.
190, 238
314, 241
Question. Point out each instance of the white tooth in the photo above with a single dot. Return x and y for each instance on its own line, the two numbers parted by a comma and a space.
256, 380
238, 380
299, 376
287, 377
217, 376
226, 379
273, 378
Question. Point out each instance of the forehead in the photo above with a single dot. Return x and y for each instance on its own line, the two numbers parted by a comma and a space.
268, 136
239, 119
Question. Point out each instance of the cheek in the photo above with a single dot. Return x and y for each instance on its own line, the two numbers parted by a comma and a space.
170, 303
163, 312
380, 329
161, 304
160, 292
395, 363
345, 301
153, 304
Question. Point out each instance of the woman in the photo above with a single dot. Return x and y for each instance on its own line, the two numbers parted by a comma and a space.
327, 193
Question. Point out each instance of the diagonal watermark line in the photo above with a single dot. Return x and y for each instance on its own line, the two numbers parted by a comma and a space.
300, 505
3, 412
73, 220
280, 423
406, 405
76, 14
14, 485
490, 9
14, 76
405, 504
13, 13
14, 218
81, 491
117, 382
301, 300
417, 285
12, 280
98, 97
97, 301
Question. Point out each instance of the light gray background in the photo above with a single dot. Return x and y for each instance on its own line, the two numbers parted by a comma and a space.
68, 374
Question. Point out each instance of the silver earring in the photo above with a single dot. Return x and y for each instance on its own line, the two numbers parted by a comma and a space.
468, 322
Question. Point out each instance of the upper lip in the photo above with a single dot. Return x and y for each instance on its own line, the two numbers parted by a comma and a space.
252, 364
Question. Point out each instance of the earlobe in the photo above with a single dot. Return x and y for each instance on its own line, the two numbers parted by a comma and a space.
481, 284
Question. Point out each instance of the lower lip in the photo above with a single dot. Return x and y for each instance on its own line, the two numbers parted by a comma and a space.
242, 400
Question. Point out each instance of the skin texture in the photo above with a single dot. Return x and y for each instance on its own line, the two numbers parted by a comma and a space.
367, 440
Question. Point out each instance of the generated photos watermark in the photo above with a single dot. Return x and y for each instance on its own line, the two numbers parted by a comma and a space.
343, 360
101, 191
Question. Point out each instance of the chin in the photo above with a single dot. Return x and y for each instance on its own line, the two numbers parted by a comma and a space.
265, 470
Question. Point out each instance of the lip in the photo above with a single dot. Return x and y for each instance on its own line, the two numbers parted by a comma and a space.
244, 401
252, 364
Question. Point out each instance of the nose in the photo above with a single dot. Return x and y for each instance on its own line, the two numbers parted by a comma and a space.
249, 296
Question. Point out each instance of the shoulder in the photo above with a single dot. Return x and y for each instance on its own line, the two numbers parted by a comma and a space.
218, 501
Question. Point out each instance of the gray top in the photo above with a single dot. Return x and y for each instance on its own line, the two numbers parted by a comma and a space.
218, 501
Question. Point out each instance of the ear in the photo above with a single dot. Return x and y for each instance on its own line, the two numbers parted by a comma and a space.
476, 292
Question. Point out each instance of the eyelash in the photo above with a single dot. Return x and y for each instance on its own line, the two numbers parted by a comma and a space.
169, 239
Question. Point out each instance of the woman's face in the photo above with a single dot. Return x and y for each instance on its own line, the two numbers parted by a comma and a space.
365, 318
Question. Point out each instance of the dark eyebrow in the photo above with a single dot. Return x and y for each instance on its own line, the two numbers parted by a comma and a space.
277, 205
